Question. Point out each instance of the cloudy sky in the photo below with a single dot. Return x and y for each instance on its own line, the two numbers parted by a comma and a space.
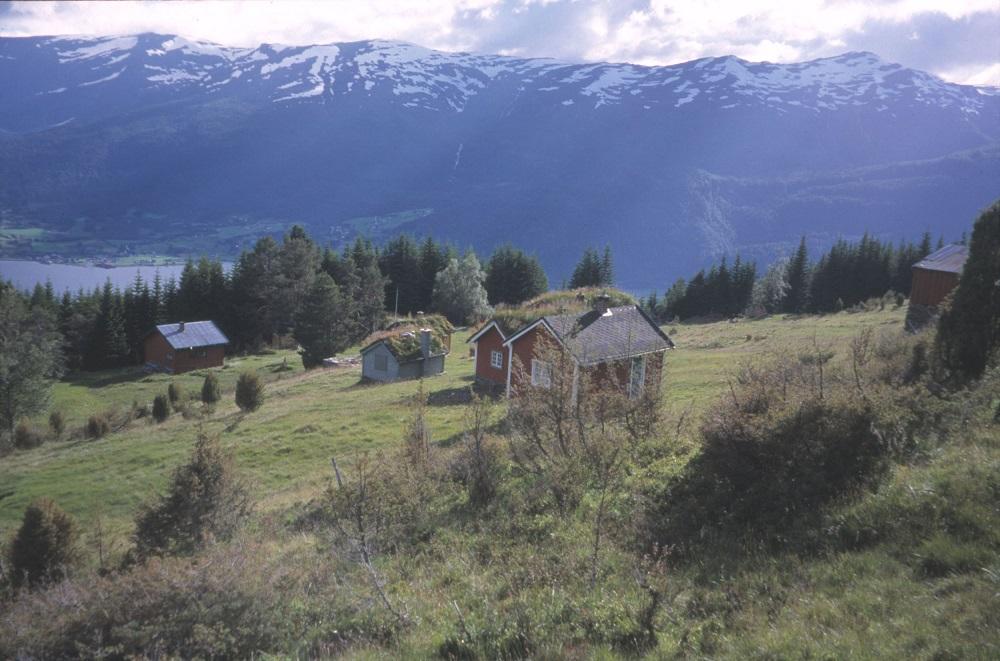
958, 40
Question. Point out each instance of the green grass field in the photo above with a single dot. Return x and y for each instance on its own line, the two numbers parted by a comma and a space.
919, 576
285, 447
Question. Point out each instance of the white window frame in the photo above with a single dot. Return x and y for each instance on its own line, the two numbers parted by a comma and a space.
496, 359
541, 373
636, 378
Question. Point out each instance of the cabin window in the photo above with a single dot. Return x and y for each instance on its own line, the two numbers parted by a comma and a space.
381, 363
202, 353
170, 357
541, 373
637, 376
496, 359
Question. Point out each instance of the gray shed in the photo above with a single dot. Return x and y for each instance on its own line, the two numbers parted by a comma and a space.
404, 355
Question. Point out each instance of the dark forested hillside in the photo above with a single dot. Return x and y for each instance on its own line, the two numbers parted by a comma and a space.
156, 144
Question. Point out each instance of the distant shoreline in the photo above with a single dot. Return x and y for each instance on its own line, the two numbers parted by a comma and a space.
26, 273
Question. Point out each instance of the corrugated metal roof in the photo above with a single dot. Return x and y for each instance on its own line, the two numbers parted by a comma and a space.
595, 338
194, 334
950, 258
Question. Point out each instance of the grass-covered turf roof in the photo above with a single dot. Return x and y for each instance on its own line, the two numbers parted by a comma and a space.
511, 319
403, 336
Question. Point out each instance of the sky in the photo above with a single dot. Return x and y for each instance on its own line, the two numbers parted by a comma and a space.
957, 40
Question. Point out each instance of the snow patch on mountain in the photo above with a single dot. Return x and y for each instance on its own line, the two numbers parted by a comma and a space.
103, 80
96, 48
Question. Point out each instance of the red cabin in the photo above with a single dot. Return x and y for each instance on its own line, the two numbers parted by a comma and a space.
937, 274
185, 346
621, 342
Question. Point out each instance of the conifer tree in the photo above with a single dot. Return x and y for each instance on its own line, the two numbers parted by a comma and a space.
322, 325
513, 277
797, 278
400, 262
607, 268
969, 329
589, 272
45, 546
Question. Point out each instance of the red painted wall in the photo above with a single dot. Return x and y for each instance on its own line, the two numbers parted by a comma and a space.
158, 351
931, 287
485, 372
524, 350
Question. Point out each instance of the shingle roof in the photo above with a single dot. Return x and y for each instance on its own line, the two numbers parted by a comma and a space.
950, 258
194, 334
595, 338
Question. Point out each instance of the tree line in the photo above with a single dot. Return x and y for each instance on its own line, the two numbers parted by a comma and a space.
847, 274
293, 287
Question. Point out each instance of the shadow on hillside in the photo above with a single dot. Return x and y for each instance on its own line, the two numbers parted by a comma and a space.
101, 379
450, 397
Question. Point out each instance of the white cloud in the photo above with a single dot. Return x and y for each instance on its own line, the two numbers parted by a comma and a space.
639, 31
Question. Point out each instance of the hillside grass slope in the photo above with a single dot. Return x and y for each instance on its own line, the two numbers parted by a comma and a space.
906, 568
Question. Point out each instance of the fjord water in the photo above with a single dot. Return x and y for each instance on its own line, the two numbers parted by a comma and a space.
25, 275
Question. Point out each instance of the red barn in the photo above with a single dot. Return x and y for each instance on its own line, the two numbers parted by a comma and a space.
937, 274
621, 342
933, 279
185, 346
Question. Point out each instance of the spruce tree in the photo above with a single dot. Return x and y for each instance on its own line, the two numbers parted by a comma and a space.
513, 277
589, 271
45, 546
321, 325
969, 329
797, 278
607, 268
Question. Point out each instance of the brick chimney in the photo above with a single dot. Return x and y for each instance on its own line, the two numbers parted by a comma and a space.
602, 303
425, 342
180, 327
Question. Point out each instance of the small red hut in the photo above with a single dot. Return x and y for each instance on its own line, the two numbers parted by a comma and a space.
933, 279
937, 274
185, 346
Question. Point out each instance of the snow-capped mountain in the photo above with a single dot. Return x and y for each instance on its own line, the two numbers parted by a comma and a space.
485, 148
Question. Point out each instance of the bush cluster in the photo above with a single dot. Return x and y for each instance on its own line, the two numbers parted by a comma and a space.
249, 392
98, 426
27, 435
161, 408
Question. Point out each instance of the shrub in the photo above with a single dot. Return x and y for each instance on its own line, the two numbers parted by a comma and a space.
175, 393
249, 391
57, 424
210, 393
98, 425
204, 501
774, 454
161, 408
45, 545
27, 435
478, 462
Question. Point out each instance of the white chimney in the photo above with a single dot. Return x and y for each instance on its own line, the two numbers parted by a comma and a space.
425, 342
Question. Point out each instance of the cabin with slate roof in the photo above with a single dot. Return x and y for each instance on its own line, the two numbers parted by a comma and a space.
620, 342
185, 346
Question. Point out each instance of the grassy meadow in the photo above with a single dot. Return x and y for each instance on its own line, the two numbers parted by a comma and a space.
913, 571
286, 446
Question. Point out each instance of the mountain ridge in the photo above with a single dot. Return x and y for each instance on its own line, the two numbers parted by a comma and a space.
143, 140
